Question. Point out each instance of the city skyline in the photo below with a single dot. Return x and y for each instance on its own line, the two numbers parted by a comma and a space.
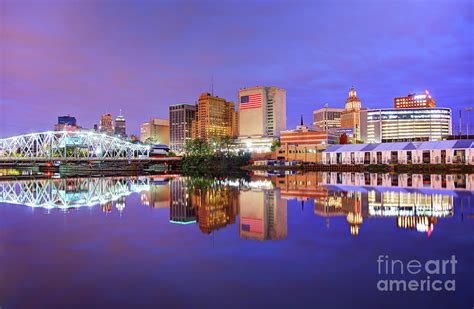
55, 63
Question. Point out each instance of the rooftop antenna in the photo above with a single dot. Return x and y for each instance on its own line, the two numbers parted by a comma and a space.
212, 85
460, 124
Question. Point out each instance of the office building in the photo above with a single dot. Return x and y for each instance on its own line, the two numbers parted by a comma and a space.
66, 123
304, 144
215, 118
407, 124
181, 121
106, 125
262, 115
120, 126
155, 131
415, 101
327, 119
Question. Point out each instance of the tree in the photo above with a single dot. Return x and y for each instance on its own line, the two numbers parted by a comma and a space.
343, 139
275, 144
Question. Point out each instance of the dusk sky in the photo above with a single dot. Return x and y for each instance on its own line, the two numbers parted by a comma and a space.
86, 58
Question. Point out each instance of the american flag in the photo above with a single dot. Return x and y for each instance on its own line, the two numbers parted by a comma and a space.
251, 225
251, 101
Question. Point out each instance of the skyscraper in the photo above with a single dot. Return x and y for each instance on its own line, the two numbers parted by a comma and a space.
262, 114
327, 119
120, 126
215, 118
181, 121
106, 125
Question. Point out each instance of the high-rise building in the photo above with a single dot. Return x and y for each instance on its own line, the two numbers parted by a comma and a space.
415, 101
350, 117
66, 123
262, 114
215, 118
181, 121
106, 125
120, 126
406, 124
155, 131
327, 119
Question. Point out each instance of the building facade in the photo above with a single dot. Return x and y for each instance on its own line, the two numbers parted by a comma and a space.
407, 124
215, 117
156, 131
262, 116
415, 101
120, 126
304, 144
106, 125
327, 119
433, 152
181, 122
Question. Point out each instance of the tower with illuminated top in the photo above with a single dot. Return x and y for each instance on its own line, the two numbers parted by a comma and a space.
350, 117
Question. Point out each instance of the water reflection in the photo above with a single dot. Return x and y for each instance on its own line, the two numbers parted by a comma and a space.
259, 204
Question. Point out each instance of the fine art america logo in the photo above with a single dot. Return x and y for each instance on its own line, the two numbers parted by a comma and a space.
415, 275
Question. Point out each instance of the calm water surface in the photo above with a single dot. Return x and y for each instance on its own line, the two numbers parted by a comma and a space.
304, 240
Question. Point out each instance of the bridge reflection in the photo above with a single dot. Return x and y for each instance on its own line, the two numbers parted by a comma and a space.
71, 192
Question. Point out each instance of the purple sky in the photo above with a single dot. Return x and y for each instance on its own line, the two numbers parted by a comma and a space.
85, 58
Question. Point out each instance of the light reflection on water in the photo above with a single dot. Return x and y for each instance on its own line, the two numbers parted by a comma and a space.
415, 201
294, 240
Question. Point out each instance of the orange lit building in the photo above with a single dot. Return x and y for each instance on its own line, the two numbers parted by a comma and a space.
415, 101
304, 144
215, 117
350, 116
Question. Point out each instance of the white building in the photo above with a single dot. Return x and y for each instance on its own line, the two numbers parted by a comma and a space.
262, 115
405, 124
436, 152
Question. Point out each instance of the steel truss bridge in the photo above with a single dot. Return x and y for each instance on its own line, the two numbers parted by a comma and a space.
70, 146
70, 193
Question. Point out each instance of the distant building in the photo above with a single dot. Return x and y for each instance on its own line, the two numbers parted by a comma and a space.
327, 119
415, 101
304, 144
215, 118
262, 115
181, 124
66, 123
407, 124
156, 131
350, 117
120, 126
106, 126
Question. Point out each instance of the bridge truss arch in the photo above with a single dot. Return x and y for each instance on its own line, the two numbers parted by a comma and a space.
64, 145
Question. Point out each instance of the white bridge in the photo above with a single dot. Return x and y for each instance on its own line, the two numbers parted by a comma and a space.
70, 146
70, 193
